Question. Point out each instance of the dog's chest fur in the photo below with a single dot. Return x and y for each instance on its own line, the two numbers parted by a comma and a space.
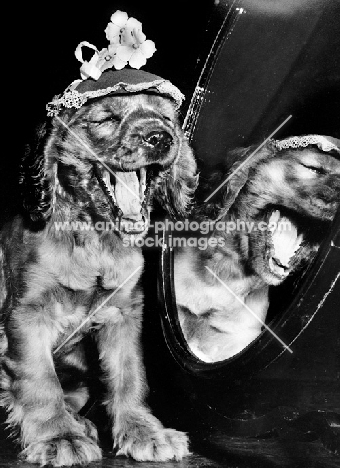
197, 291
215, 317
92, 264
73, 280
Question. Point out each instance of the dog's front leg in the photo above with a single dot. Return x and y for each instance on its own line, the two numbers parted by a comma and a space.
50, 432
136, 432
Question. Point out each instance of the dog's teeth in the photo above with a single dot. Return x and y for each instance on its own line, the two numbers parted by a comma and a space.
298, 242
279, 269
142, 183
273, 220
107, 182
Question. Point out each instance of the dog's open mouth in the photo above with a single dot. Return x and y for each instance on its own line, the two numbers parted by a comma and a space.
283, 244
129, 197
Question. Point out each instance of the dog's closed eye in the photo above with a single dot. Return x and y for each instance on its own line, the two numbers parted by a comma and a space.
316, 169
111, 118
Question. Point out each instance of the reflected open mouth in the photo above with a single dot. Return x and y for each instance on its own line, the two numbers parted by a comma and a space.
129, 196
283, 244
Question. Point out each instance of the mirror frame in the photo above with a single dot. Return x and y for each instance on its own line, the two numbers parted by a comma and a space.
313, 288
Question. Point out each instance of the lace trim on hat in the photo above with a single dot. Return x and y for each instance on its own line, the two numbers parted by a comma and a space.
72, 98
303, 141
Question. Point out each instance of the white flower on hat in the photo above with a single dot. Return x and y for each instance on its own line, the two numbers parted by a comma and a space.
135, 48
120, 22
107, 58
114, 28
128, 45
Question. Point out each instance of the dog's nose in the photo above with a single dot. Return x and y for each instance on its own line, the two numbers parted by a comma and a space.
159, 140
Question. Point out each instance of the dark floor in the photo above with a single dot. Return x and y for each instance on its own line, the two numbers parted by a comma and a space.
216, 451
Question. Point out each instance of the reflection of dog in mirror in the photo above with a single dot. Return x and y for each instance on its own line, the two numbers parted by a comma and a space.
269, 220
53, 279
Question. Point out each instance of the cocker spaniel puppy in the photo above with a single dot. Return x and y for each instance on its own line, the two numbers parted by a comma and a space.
268, 221
70, 266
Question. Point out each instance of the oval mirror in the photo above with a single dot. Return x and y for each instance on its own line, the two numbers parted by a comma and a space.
239, 275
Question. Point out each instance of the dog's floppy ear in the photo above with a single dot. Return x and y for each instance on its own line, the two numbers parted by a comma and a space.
177, 184
241, 164
36, 192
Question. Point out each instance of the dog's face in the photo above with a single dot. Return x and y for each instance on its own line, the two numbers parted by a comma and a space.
131, 132
115, 153
292, 199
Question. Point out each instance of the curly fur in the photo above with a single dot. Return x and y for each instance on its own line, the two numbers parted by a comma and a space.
52, 280
304, 187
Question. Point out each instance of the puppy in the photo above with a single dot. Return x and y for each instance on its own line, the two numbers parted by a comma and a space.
269, 221
70, 268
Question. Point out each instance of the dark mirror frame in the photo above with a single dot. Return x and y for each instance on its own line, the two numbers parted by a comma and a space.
228, 23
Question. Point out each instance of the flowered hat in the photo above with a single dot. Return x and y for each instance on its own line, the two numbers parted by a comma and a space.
128, 46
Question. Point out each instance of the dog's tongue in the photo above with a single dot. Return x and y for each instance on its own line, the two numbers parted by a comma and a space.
127, 194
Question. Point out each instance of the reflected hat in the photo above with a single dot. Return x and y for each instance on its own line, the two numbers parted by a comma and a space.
323, 142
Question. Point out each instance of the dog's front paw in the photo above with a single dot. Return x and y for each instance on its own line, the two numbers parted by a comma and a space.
72, 450
151, 442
